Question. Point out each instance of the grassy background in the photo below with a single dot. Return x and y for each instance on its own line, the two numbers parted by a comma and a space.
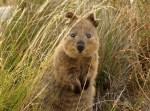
31, 35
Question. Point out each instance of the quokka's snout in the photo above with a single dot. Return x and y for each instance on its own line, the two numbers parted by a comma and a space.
80, 46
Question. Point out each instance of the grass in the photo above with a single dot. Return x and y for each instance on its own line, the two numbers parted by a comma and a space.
31, 35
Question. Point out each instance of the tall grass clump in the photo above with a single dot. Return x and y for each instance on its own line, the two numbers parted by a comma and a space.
124, 72
29, 38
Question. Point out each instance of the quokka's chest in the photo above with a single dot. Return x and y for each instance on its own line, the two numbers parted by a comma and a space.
80, 67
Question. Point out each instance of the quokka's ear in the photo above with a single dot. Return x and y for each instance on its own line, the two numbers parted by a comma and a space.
71, 15
92, 19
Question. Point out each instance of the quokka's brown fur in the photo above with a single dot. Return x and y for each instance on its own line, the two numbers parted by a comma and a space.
71, 86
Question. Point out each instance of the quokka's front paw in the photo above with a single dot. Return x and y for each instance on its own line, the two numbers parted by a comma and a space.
85, 84
77, 89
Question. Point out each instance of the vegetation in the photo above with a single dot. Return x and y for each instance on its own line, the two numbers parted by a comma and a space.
29, 38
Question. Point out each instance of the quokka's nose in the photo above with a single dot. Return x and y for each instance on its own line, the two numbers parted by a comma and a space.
80, 46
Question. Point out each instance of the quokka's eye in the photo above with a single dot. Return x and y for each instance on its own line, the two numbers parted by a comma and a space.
88, 35
73, 35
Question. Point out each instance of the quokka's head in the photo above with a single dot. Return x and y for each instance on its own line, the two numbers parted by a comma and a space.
82, 39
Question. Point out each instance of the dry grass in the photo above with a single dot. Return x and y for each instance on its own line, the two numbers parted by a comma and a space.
31, 35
